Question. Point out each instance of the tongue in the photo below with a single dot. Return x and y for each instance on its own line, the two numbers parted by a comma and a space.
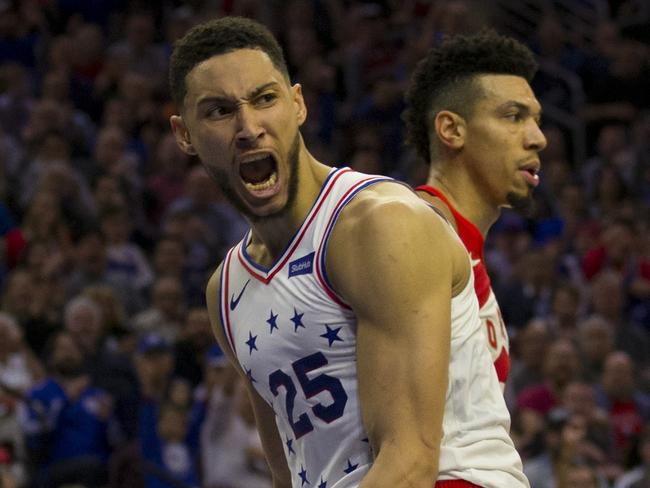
257, 171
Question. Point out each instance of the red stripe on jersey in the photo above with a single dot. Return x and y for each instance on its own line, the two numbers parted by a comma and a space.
455, 484
502, 365
473, 241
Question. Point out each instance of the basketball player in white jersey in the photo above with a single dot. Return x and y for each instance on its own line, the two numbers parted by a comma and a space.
472, 115
362, 352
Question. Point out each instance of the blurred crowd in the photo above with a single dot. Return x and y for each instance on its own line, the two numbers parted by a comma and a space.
109, 375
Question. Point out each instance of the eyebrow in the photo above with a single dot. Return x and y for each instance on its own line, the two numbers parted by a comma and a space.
225, 99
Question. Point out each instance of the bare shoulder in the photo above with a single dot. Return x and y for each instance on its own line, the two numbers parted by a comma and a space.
387, 228
390, 209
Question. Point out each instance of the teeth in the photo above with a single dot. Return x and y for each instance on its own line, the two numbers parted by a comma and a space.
264, 185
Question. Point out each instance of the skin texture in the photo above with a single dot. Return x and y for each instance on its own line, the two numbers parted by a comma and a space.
385, 229
479, 165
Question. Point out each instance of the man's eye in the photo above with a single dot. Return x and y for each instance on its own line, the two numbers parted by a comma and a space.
218, 112
514, 117
267, 98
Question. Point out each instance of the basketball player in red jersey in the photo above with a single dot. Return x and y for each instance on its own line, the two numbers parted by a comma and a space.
473, 116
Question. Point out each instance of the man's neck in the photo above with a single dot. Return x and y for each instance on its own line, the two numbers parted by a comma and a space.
271, 236
466, 197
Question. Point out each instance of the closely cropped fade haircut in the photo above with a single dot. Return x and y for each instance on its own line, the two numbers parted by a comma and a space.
446, 79
215, 37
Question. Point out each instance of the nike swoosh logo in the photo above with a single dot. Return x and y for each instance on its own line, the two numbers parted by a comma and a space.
474, 262
233, 301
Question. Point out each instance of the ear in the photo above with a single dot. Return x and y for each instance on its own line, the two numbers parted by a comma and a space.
181, 134
299, 102
450, 128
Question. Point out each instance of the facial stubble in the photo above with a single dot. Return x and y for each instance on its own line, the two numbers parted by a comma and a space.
222, 180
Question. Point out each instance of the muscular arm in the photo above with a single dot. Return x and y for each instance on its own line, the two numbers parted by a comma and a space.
392, 260
264, 417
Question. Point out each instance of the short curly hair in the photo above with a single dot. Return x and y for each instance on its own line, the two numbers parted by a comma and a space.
215, 37
446, 79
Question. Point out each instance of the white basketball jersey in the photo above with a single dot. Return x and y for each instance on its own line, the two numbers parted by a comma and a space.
295, 339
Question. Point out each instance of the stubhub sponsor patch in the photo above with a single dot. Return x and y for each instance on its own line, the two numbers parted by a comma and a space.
301, 266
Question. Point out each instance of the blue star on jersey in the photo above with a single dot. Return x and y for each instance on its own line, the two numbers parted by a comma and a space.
297, 320
323, 484
272, 322
303, 476
332, 335
289, 444
251, 343
249, 375
351, 467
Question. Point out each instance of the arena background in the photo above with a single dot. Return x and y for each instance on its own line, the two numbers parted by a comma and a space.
108, 232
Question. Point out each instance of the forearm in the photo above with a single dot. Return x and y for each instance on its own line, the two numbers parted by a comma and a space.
405, 466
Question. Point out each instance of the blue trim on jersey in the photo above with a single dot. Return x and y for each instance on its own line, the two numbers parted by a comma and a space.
328, 231
265, 270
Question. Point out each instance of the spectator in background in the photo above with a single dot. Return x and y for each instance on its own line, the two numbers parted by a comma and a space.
581, 475
608, 301
169, 257
168, 173
109, 192
579, 399
167, 312
111, 156
125, 259
221, 226
529, 350
639, 477
33, 303
138, 49
44, 223
561, 366
563, 318
66, 420
154, 361
169, 452
627, 407
528, 293
90, 268
230, 446
111, 310
613, 150
595, 342
17, 100
199, 256
20, 370
192, 345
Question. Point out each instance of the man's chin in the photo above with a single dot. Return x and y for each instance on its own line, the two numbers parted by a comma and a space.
523, 204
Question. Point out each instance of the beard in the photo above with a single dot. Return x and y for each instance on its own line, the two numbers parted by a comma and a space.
522, 204
221, 178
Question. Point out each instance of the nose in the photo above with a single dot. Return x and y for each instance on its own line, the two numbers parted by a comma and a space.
535, 138
249, 129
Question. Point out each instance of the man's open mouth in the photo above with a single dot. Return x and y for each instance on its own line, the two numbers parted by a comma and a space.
259, 173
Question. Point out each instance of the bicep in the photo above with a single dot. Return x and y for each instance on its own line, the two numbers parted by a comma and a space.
399, 284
